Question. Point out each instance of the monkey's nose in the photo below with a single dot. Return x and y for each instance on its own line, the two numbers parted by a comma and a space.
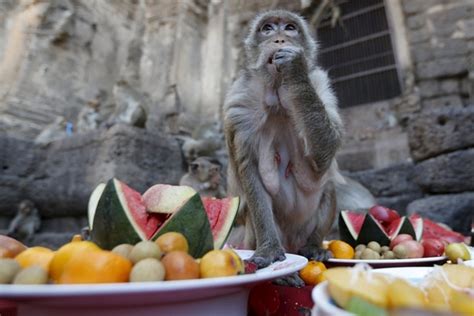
279, 41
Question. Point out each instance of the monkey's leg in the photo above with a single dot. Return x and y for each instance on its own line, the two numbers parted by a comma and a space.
327, 209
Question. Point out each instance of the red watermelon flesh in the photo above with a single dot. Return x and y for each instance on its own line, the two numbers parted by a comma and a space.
148, 222
357, 219
221, 214
436, 231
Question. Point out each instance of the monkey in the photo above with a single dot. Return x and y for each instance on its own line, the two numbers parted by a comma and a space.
204, 176
26, 222
282, 131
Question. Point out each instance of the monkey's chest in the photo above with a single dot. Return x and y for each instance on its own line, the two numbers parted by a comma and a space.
285, 171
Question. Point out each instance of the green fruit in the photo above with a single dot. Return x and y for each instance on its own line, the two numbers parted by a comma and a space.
8, 269
147, 270
457, 251
360, 247
144, 250
358, 306
31, 275
384, 249
369, 254
375, 246
400, 252
123, 250
388, 255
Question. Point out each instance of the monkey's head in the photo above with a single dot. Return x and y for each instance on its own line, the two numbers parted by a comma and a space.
204, 168
25, 207
277, 29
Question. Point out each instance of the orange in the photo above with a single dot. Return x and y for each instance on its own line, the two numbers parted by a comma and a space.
238, 260
172, 241
312, 274
64, 254
96, 267
341, 249
219, 263
39, 256
179, 265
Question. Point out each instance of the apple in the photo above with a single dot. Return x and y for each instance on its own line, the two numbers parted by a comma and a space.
433, 247
411, 248
400, 238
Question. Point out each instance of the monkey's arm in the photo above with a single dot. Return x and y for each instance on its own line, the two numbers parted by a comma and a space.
242, 158
317, 123
15, 224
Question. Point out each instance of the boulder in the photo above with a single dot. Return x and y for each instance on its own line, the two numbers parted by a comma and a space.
388, 182
440, 130
449, 173
455, 210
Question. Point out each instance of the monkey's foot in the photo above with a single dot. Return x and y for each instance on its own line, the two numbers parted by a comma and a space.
292, 280
263, 257
315, 253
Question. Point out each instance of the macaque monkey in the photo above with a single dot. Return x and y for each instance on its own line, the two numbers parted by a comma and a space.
26, 222
282, 131
204, 176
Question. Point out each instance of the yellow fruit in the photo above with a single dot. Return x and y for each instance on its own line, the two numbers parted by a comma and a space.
341, 249
96, 267
218, 263
76, 237
179, 265
345, 283
172, 241
64, 254
402, 294
457, 251
312, 273
39, 256
5, 253
462, 303
238, 260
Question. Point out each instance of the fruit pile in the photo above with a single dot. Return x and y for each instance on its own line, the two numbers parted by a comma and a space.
382, 233
80, 261
448, 288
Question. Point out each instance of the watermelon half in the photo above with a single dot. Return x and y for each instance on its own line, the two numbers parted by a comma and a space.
432, 230
350, 224
121, 217
221, 214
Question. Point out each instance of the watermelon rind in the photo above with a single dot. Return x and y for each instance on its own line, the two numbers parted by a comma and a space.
223, 234
93, 202
372, 230
166, 198
113, 223
417, 224
191, 221
346, 230
404, 227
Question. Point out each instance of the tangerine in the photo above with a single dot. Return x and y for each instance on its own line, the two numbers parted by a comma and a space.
179, 265
96, 267
312, 273
341, 249
39, 256
64, 254
172, 241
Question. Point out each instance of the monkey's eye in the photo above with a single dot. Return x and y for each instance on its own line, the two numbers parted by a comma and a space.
290, 27
194, 166
267, 27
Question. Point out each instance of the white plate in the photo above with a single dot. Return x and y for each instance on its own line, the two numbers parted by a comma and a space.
385, 263
324, 306
187, 297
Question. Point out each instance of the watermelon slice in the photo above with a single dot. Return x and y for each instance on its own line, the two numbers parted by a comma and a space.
191, 221
221, 214
165, 198
93, 201
433, 230
350, 224
121, 217
372, 230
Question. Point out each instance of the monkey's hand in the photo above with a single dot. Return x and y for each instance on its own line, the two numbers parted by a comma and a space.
289, 60
266, 254
315, 253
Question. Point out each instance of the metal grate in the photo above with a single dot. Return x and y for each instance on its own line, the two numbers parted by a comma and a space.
359, 54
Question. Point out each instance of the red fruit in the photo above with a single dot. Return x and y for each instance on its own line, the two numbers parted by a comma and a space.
432, 247
400, 238
383, 214
413, 249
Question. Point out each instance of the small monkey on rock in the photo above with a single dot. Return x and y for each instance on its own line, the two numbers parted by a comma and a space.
204, 176
282, 131
26, 222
